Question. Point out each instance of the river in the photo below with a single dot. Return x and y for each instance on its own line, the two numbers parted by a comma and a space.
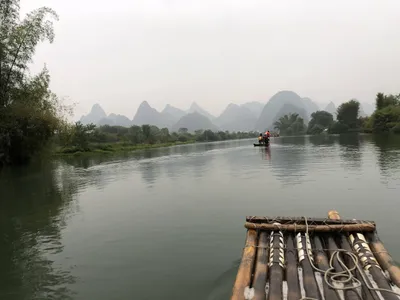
168, 223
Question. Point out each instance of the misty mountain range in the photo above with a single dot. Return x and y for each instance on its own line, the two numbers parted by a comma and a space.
245, 117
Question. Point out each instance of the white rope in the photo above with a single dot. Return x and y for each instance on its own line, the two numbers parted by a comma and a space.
346, 275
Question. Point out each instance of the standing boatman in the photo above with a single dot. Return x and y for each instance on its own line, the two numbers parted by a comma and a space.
267, 136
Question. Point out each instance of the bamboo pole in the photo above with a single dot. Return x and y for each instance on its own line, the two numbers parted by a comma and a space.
349, 294
310, 283
366, 293
370, 264
312, 228
300, 220
276, 266
323, 264
384, 258
292, 275
261, 271
243, 277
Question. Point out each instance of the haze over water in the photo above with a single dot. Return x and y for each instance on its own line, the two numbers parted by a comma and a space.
168, 223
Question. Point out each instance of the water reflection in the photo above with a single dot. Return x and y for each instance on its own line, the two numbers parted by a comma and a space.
149, 171
200, 164
290, 140
350, 151
388, 154
197, 158
85, 162
322, 140
265, 153
194, 160
222, 285
83, 172
288, 159
33, 211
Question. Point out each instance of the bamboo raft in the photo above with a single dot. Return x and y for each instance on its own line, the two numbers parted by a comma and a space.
315, 258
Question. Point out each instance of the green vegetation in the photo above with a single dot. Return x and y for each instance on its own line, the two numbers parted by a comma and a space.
386, 117
79, 138
347, 118
320, 120
290, 124
30, 113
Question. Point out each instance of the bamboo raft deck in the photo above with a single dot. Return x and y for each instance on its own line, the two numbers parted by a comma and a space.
315, 258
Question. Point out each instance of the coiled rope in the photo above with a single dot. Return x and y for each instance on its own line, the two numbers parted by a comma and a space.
344, 276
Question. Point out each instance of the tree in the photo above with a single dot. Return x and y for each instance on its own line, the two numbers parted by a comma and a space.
18, 44
320, 120
155, 135
383, 101
209, 135
387, 114
392, 100
30, 113
347, 113
386, 119
164, 135
136, 135
380, 101
198, 132
146, 129
290, 124
183, 130
81, 135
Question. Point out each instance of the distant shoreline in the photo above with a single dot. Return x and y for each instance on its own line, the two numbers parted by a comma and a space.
111, 148
114, 148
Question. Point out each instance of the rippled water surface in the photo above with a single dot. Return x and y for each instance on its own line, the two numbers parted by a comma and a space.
168, 223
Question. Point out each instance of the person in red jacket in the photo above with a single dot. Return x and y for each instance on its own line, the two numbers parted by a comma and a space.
266, 137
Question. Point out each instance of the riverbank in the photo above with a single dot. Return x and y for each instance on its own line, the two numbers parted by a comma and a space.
109, 148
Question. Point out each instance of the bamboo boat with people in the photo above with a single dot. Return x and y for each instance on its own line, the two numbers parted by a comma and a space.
315, 258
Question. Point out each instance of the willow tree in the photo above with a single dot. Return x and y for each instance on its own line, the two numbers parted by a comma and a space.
29, 111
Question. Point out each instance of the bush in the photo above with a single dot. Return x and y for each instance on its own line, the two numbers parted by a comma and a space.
316, 129
338, 127
386, 118
396, 128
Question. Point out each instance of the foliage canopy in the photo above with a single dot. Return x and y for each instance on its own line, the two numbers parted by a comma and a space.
30, 113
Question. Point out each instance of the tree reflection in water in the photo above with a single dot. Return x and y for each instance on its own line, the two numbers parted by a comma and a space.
287, 159
34, 206
350, 151
388, 154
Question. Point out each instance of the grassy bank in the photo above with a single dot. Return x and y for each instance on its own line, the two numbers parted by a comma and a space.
109, 148
89, 139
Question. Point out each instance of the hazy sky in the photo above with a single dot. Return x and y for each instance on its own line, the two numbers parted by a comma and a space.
119, 53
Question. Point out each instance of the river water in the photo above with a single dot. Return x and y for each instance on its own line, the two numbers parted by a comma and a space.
168, 223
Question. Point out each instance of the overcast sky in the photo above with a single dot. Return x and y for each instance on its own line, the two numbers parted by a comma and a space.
121, 52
